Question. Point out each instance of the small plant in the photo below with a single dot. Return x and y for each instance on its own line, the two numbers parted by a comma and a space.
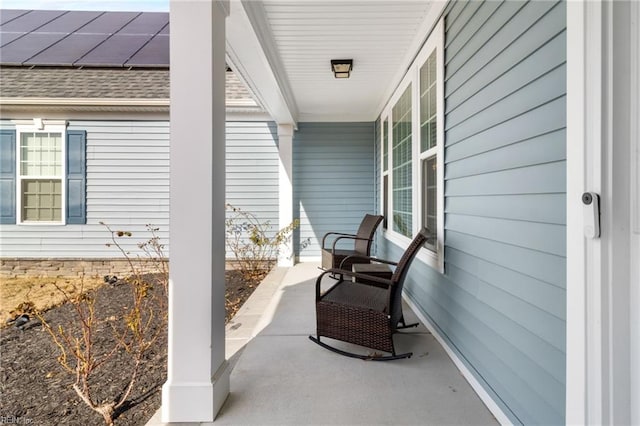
253, 243
131, 338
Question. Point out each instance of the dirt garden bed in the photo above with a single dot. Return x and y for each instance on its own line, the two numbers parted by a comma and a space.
35, 389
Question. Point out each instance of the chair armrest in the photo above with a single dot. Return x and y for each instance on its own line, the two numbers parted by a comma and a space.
318, 283
374, 278
346, 237
368, 259
335, 233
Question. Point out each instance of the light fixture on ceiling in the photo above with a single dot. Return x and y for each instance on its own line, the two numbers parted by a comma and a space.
341, 67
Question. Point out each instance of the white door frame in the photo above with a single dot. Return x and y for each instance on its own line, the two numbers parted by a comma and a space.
602, 294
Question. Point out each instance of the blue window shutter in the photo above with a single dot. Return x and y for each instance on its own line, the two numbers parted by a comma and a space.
76, 177
8, 176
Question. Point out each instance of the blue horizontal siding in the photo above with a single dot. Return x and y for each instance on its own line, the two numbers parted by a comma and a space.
127, 181
541, 149
490, 341
547, 118
333, 175
544, 208
535, 179
501, 303
529, 29
252, 161
524, 260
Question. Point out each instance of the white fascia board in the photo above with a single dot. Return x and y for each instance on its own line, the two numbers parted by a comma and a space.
424, 30
246, 54
85, 114
84, 102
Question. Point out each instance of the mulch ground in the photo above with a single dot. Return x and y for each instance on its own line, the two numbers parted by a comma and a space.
35, 389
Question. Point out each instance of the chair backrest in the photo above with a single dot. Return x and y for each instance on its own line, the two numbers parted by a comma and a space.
401, 272
366, 230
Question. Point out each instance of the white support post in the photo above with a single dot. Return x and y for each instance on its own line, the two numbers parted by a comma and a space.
198, 374
285, 176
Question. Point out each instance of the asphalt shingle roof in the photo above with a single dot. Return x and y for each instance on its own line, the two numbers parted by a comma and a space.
23, 82
87, 55
103, 83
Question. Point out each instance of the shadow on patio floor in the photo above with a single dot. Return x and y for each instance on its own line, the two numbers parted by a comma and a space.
280, 377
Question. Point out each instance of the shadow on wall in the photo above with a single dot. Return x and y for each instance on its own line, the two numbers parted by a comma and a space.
333, 180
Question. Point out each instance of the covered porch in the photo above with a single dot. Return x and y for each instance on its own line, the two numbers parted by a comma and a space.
488, 122
280, 377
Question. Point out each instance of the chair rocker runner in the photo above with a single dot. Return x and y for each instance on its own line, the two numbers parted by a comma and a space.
364, 314
332, 257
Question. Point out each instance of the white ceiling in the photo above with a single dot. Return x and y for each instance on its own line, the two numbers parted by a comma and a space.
299, 38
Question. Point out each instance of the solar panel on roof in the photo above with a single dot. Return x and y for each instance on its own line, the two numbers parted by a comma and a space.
154, 53
6, 38
80, 38
146, 23
32, 20
69, 22
30, 45
68, 50
9, 14
114, 51
109, 23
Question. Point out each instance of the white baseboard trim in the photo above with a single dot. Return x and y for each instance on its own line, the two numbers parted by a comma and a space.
497, 412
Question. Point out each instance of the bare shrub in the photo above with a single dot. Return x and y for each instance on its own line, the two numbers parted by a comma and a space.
253, 243
131, 337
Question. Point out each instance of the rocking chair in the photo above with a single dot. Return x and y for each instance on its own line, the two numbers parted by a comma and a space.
364, 314
333, 257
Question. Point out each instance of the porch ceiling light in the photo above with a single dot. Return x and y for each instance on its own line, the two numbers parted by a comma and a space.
341, 67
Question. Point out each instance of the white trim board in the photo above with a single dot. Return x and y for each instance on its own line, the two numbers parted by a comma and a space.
576, 333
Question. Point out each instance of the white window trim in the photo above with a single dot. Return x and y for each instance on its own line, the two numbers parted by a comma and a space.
38, 125
384, 172
434, 259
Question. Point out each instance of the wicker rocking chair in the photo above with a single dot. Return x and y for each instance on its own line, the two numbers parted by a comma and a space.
364, 314
333, 257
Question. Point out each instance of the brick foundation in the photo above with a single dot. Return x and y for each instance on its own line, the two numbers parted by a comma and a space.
72, 267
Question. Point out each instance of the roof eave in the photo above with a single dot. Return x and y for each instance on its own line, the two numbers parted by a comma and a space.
8, 105
21, 105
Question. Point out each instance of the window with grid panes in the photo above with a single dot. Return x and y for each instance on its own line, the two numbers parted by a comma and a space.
415, 174
401, 140
429, 148
41, 172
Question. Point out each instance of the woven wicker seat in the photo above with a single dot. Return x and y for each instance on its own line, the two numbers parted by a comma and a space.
364, 314
332, 257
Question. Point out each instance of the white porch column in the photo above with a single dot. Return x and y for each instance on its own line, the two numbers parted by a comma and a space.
198, 374
285, 176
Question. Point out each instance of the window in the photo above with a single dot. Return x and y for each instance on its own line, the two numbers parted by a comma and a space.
42, 174
402, 209
430, 200
429, 148
413, 153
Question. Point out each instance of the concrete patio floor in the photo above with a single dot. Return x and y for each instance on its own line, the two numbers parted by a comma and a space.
280, 377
